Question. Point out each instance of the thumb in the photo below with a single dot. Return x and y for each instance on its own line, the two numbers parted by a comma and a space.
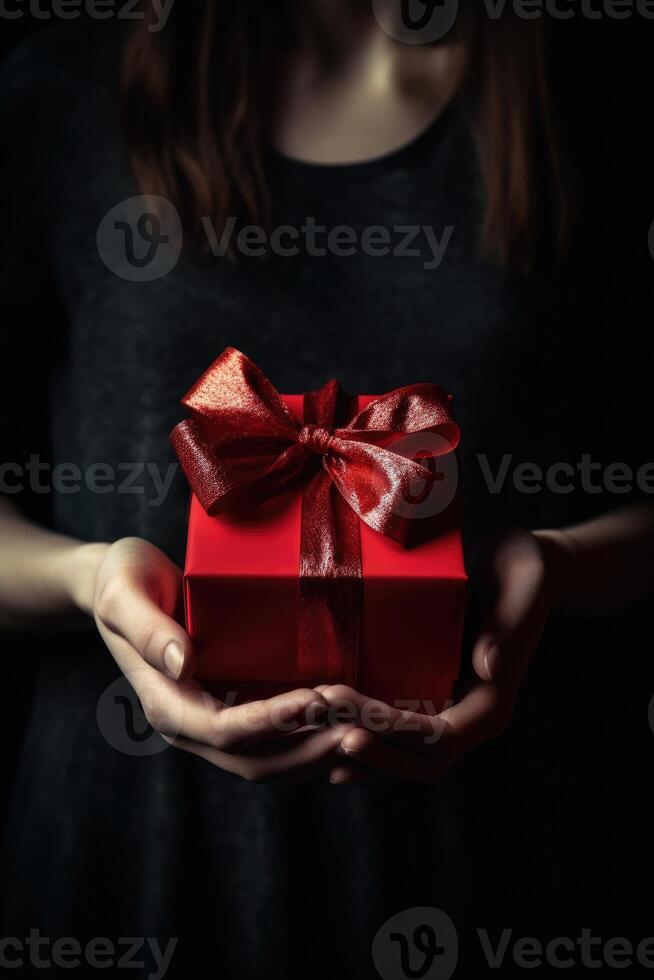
126, 609
513, 624
487, 655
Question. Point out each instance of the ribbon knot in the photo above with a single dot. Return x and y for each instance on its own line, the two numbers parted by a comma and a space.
316, 439
242, 440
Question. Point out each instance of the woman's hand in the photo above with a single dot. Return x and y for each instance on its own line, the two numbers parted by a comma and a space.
136, 597
390, 743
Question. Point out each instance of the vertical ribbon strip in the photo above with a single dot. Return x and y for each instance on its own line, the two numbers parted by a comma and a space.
331, 587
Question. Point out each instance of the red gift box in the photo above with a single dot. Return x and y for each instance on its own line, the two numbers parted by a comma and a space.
242, 602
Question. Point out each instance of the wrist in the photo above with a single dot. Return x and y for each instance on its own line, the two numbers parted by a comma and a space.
79, 569
560, 558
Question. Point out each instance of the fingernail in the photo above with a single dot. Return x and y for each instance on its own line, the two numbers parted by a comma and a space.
174, 660
492, 661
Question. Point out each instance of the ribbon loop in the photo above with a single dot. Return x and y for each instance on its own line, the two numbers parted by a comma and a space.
242, 437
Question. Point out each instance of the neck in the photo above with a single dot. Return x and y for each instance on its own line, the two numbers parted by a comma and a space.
337, 30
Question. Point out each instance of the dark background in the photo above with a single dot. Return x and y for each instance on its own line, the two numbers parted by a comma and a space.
602, 73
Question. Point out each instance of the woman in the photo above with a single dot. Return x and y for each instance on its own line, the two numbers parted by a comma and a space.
317, 112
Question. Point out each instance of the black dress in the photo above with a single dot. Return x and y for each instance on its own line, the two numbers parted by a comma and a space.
150, 842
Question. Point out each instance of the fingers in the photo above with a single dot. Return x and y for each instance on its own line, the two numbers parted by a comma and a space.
376, 753
207, 721
185, 710
350, 774
388, 742
482, 714
290, 758
416, 731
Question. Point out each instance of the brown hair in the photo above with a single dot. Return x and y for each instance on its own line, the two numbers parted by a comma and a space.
199, 95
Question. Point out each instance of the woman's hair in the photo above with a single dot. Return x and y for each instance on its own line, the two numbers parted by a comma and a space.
199, 97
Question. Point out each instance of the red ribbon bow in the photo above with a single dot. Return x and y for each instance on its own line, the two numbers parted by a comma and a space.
243, 443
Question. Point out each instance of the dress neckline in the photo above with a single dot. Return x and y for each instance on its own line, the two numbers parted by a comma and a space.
363, 168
